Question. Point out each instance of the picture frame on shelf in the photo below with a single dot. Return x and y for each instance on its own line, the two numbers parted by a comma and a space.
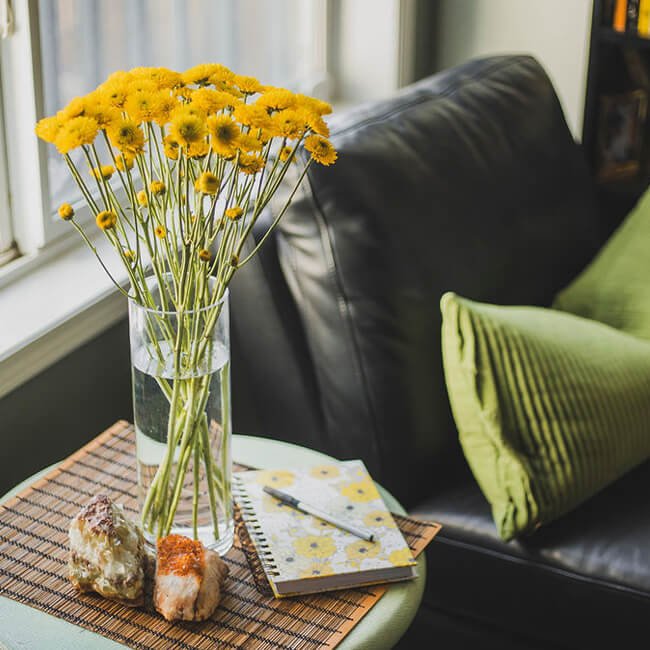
620, 136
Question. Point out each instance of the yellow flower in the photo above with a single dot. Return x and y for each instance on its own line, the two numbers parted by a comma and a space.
160, 232
252, 115
315, 122
139, 85
205, 255
75, 108
106, 219
234, 213
221, 76
247, 85
161, 77
313, 104
101, 111
315, 546
321, 149
201, 74
142, 198
275, 478
144, 105
197, 149
105, 172
127, 136
75, 133
166, 106
66, 211
234, 260
129, 255
210, 101
362, 550
187, 128
401, 557
157, 187
288, 124
316, 570
170, 147
378, 518
276, 99
114, 92
207, 183
48, 128
117, 76
224, 134
324, 471
285, 152
124, 161
250, 164
248, 142
360, 491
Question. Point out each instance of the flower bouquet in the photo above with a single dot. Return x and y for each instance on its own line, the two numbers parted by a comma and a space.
176, 168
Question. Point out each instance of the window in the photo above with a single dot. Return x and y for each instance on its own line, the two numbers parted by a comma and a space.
64, 48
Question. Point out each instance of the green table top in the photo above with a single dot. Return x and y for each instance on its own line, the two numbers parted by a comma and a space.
22, 627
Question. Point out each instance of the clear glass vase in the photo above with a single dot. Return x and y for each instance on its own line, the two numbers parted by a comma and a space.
181, 400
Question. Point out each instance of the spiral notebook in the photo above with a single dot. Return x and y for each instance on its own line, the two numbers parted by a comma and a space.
302, 554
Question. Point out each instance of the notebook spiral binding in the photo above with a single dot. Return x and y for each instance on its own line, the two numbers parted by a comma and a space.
253, 527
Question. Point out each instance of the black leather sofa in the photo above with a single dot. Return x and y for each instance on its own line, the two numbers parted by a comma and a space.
467, 181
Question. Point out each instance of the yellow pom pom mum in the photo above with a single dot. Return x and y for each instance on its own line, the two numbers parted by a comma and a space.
321, 150
160, 232
224, 134
157, 187
105, 172
234, 213
142, 198
124, 161
250, 164
75, 133
207, 183
48, 128
66, 211
187, 129
127, 136
106, 219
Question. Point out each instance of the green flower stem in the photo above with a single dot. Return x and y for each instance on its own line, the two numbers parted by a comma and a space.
195, 497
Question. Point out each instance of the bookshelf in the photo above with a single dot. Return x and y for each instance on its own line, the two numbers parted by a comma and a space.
616, 124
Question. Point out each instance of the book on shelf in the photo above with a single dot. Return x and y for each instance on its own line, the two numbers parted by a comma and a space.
643, 29
619, 21
301, 553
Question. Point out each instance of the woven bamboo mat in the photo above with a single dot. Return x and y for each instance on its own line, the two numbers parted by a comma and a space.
33, 557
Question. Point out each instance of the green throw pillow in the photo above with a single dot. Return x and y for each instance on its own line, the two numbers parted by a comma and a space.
615, 287
550, 407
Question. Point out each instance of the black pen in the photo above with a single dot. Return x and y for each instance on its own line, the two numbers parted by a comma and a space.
363, 533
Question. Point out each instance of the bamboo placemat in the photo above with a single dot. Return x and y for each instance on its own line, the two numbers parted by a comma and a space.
33, 558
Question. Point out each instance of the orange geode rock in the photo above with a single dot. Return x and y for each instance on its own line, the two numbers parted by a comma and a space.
189, 579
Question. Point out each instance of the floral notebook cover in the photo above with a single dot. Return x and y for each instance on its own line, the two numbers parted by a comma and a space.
303, 554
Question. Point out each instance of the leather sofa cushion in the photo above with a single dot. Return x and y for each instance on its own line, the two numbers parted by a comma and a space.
467, 181
582, 581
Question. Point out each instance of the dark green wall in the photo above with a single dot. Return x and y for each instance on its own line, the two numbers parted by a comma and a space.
55, 413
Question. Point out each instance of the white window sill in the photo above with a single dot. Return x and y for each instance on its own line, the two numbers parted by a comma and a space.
54, 306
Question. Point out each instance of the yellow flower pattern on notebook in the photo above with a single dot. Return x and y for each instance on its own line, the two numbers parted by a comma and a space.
299, 546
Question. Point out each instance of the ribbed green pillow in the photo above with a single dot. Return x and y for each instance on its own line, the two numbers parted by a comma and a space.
615, 287
550, 407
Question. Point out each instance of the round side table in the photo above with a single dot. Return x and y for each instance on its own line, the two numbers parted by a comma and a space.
24, 627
